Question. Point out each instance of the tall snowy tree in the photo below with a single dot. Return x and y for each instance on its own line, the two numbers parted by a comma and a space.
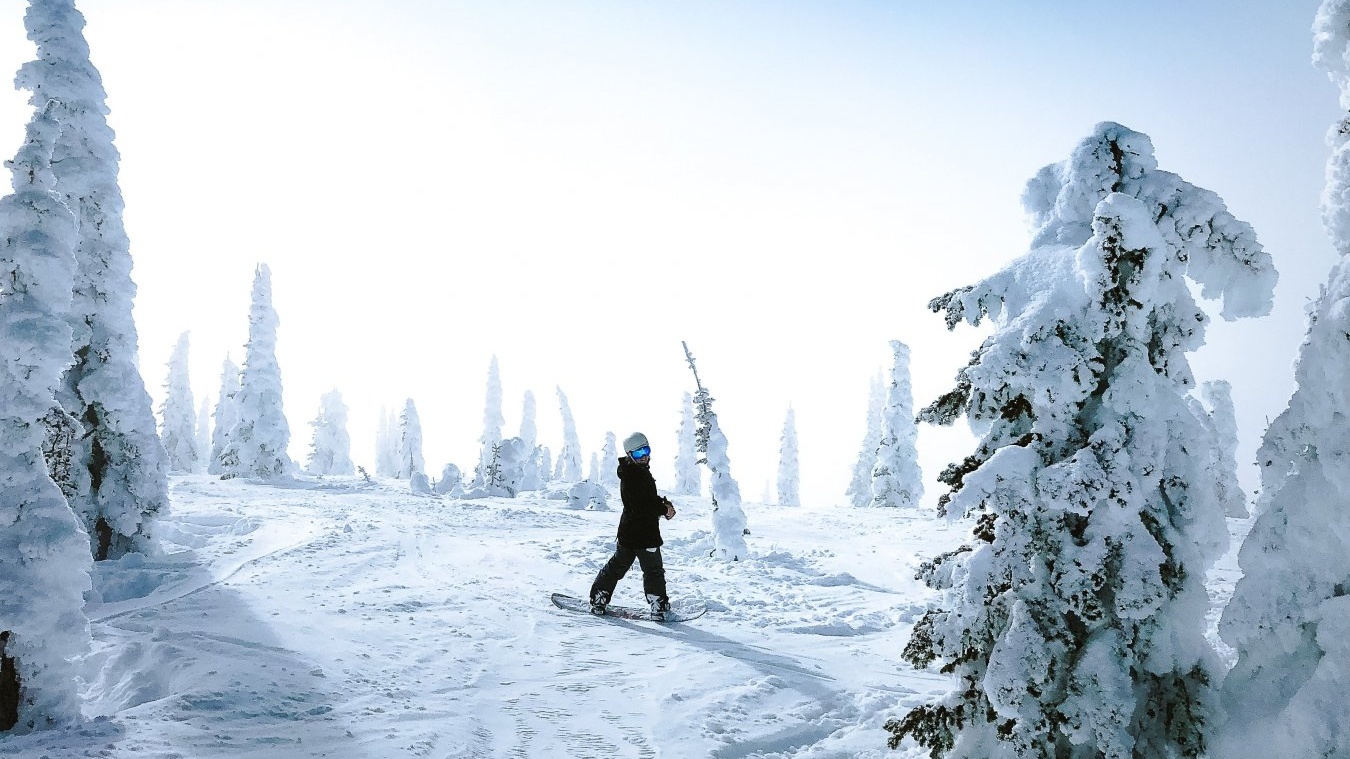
789, 474
493, 422
118, 464
859, 490
178, 419
609, 462
331, 450
1289, 617
44, 550
261, 434
409, 443
897, 480
386, 444
729, 525
568, 467
226, 414
1220, 419
688, 478
1075, 623
532, 475
203, 433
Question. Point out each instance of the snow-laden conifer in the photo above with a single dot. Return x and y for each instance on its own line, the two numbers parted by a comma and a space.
1289, 616
330, 452
568, 467
789, 474
532, 477
178, 419
609, 462
409, 442
1075, 623
204, 433
261, 434
44, 550
386, 444
493, 422
896, 478
225, 415
859, 492
1221, 420
688, 478
593, 471
729, 524
451, 482
119, 468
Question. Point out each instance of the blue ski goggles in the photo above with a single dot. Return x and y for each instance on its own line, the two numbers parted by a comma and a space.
641, 453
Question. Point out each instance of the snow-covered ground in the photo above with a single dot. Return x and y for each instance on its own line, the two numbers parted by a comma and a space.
339, 618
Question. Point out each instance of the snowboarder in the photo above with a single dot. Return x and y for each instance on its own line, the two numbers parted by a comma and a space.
639, 531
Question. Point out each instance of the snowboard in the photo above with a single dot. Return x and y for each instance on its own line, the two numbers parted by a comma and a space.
680, 611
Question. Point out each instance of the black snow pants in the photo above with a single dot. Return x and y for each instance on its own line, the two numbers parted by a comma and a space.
653, 572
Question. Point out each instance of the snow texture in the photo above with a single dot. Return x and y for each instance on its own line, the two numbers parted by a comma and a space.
225, 415
410, 459
258, 441
859, 492
568, 466
330, 451
897, 481
177, 414
493, 422
688, 477
789, 472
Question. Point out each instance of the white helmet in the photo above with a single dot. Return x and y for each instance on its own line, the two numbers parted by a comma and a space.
634, 442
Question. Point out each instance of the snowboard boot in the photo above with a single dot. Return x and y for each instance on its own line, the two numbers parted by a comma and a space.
598, 603
659, 606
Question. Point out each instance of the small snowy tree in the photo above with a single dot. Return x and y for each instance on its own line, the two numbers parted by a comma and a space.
1075, 623
896, 478
859, 491
331, 450
1289, 617
609, 462
789, 475
729, 525
1220, 419
688, 478
204, 433
493, 421
532, 477
593, 473
44, 550
409, 443
226, 414
261, 434
568, 468
178, 420
386, 444
451, 482
118, 464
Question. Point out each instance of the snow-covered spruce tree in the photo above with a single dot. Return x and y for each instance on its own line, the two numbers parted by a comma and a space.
493, 422
44, 550
859, 492
729, 525
409, 443
1221, 419
568, 467
1075, 623
593, 472
609, 462
451, 482
688, 478
386, 444
178, 419
897, 480
532, 477
119, 462
789, 475
203, 433
258, 441
331, 450
226, 414
1289, 617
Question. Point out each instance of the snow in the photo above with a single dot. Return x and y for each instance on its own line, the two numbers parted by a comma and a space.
335, 617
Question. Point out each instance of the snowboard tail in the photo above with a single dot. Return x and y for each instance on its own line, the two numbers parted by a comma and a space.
680, 611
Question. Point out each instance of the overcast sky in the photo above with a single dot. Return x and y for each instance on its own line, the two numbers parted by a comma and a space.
576, 187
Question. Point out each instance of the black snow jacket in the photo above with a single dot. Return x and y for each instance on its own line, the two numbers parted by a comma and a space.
643, 507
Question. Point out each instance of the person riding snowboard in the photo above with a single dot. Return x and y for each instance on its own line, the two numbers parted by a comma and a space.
639, 531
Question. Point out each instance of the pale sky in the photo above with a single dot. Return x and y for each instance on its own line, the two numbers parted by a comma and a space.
576, 187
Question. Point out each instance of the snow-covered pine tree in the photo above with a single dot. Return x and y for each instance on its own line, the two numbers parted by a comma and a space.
593, 473
1075, 623
897, 480
330, 452
178, 420
225, 416
688, 478
1221, 419
119, 462
409, 443
859, 492
568, 468
203, 433
386, 444
44, 550
451, 482
531, 476
609, 462
261, 434
789, 475
493, 422
1289, 617
729, 524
